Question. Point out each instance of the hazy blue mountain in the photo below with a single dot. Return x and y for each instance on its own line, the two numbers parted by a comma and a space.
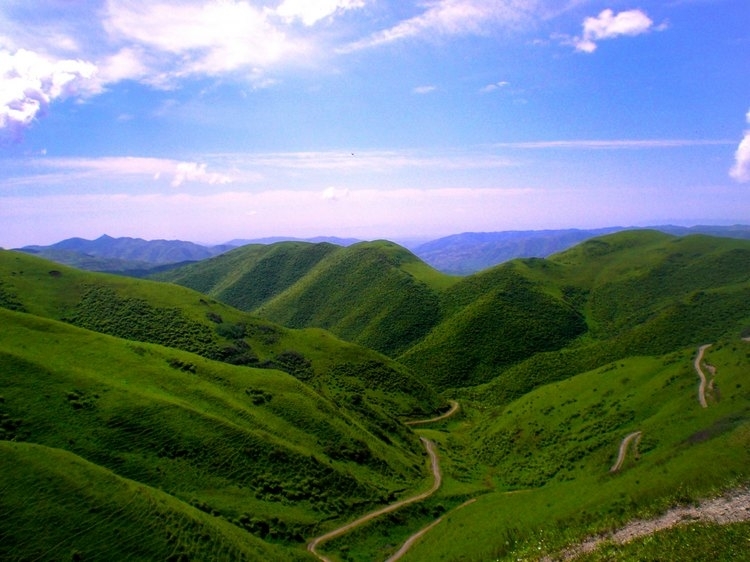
470, 252
123, 255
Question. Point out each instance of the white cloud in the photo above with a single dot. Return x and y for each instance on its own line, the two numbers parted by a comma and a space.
493, 87
613, 144
741, 169
312, 11
424, 89
29, 82
194, 172
455, 17
111, 166
607, 25
175, 40
334, 194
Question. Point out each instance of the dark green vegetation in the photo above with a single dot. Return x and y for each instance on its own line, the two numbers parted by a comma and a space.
376, 294
185, 429
630, 292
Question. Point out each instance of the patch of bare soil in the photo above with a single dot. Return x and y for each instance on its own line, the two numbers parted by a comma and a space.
730, 508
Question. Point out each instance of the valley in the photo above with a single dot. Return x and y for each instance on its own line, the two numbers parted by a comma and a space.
307, 401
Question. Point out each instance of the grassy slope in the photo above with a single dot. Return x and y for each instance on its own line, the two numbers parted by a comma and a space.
548, 456
489, 322
250, 275
640, 293
254, 447
631, 292
89, 513
179, 317
376, 294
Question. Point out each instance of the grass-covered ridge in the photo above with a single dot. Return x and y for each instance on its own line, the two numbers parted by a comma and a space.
630, 292
171, 315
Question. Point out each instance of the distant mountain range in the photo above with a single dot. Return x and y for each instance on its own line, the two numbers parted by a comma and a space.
470, 252
458, 254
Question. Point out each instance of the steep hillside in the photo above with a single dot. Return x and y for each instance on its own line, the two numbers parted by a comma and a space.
489, 322
642, 293
248, 276
254, 448
376, 294
169, 315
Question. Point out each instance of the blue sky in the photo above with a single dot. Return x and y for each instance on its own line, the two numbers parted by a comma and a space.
209, 120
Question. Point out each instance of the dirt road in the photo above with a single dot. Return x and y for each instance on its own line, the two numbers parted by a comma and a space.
437, 480
624, 449
731, 508
449, 413
702, 386
419, 534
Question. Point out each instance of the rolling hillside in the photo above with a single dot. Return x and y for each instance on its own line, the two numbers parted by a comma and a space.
633, 291
184, 429
375, 294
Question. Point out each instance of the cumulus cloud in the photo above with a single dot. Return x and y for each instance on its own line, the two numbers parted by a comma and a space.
29, 82
194, 172
608, 25
311, 12
741, 169
173, 40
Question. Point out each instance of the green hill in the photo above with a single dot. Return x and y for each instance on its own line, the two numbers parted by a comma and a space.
630, 292
376, 294
248, 276
548, 457
256, 449
219, 435
170, 315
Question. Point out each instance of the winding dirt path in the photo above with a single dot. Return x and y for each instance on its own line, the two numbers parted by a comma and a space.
419, 534
702, 386
454, 408
624, 449
437, 480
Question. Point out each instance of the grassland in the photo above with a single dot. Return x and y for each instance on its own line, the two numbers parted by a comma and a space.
186, 429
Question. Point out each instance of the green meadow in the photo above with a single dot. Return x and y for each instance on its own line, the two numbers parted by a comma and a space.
264, 403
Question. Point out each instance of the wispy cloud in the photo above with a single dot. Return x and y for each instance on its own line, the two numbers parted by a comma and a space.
614, 144
608, 25
175, 41
741, 169
493, 87
334, 193
454, 17
310, 12
424, 89
176, 171
370, 161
